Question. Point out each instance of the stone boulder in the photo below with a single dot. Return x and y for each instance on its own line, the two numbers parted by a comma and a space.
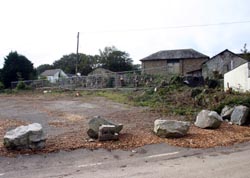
96, 122
25, 137
107, 132
170, 128
208, 120
239, 115
226, 112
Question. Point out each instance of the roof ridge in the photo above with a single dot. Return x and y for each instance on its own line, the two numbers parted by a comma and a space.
175, 54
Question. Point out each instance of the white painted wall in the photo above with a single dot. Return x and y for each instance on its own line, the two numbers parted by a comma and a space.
238, 78
55, 78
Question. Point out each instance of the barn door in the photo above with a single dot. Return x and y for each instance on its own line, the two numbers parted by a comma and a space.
173, 66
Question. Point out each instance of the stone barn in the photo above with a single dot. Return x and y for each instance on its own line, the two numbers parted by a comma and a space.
173, 62
221, 63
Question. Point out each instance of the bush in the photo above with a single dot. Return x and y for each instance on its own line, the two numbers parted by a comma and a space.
21, 86
1, 86
233, 100
176, 80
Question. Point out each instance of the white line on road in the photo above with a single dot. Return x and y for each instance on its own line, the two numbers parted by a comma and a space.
89, 165
152, 156
1, 174
161, 155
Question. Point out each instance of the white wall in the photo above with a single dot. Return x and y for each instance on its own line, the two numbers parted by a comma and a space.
238, 78
63, 75
51, 79
55, 78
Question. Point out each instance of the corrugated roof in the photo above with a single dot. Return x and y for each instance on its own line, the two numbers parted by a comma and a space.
50, 72
175, 54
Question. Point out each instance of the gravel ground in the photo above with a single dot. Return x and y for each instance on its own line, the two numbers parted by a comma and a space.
65, 118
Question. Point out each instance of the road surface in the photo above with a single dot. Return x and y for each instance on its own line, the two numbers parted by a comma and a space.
151, 161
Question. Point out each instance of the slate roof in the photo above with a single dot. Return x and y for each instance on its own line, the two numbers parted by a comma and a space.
226, 50
50, 72
175, 54
245, 56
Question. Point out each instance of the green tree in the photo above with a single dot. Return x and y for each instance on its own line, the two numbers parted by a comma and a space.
85, 63
245, 53
15, 67
1, 75
136, 66
115, 60
40, 69
244, 50
67, 63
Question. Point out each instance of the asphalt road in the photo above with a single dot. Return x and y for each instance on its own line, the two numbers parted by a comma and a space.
150, 161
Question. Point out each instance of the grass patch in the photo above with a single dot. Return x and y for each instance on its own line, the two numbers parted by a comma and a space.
114, 95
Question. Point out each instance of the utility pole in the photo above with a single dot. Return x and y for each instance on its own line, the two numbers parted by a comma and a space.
77, 54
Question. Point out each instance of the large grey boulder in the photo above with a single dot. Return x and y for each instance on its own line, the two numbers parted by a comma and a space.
170, 128
226, 112
208, 120
239, 115
96, 122
25, 137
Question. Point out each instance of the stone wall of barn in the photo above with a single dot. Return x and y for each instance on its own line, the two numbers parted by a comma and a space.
221, 64
192, 64
155, 67
161, 66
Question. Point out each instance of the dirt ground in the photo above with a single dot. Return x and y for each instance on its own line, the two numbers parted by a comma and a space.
65, 118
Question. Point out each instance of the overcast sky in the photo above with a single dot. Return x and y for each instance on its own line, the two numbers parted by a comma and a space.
45, 30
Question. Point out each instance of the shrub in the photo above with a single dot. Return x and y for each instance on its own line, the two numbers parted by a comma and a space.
21, 86
233, 100
1, 86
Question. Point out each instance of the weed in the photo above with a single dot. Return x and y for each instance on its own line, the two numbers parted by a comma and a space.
233, 100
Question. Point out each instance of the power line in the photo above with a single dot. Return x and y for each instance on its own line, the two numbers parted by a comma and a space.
171, 27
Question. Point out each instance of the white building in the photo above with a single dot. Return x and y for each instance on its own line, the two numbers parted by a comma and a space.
53, 75
238, 79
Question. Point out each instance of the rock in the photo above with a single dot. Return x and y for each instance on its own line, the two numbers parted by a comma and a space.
170, 128
107, 132
208, 120
25, 137
226, 112
239, 115
96, 122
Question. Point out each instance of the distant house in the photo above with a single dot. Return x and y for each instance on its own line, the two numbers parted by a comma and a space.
102, 72
101, 78
221, 63
180, 62
53, 75
238, 79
